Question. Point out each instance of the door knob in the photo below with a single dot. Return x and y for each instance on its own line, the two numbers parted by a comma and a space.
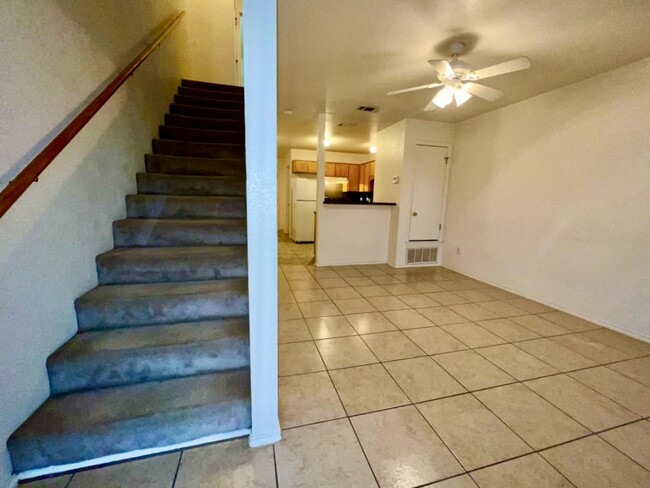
415, 214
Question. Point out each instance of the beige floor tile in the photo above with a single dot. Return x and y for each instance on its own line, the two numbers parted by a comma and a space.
298, 358
633, 347
473, 371
325, 454
230, 464
463, 481
308, 398
503, 309
525, 472
472, 335
403, 450
343, 292
400, 289
426, 287
583, 404
540, 326
528, 305
367, 389
367, 323
332, 282
633, 440
498, 293
372, 291
624, 391
298, 275
594, 350
288, 311
354, 305
461, 421
473, 311
508, 330
447, 298
54, 482
321, 275
408, 319
571, 322
592, 463
462, 284
317, 295
152, 472
637, 369
534, 419
442, 315
285, 297
434, 340
516, 362
293, 330
418, 301
318, 309
389, 346
384, 304
385, 280
348, 273
328, 327
343, 352
475, 296
422, 379
360, 281
552, 353
308, 284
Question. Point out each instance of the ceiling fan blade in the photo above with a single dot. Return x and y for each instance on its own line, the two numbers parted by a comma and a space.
442, 66
482, 91
415, 88
501, 68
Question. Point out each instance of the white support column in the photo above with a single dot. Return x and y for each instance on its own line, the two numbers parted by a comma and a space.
260, 54
320, 176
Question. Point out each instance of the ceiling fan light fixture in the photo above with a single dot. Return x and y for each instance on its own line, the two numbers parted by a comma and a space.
327, 143
373, 149
444, 97
461, 96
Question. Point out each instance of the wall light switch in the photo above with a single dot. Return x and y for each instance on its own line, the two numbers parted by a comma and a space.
395, 180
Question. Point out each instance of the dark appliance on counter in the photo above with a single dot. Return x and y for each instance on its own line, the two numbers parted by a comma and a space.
358, 196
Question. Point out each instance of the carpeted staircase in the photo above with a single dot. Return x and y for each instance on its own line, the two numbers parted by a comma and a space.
162, 352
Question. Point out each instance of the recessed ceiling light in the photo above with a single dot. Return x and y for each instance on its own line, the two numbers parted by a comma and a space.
373, 149
327, 142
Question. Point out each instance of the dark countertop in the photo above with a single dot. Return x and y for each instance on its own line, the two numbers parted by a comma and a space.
347, 202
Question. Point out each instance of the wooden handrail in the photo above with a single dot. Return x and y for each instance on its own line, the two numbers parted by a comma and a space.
31, 172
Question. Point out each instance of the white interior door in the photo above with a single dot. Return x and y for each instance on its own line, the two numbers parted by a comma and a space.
428, 191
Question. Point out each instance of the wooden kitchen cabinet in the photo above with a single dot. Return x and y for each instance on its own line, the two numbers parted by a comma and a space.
342, 170
330, 169
312, 167
353, 177
300, 166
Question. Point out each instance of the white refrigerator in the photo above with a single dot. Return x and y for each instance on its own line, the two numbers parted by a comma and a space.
303, 206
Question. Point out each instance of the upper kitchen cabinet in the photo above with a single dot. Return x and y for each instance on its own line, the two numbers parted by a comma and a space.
341, 170
330, 169
353, 177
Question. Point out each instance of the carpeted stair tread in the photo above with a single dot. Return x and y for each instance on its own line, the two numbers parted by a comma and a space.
206, 112
204, 85
171, 184
198, 149
178, 232
91, 424
188, 134
194, 166
185, 207
171, 264
212, 94
233, 124
209, 102
126, 356
116, 306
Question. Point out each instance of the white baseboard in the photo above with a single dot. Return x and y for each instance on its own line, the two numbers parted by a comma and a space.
351, 264
62, 468
13, 483
265, 440
551, 304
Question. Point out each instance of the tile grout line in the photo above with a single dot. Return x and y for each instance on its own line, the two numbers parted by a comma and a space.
178, 468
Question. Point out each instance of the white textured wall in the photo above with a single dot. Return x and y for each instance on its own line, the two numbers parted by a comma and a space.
550, 198
54, 55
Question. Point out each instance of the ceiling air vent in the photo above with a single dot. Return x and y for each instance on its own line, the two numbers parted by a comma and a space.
367, 108
422, 255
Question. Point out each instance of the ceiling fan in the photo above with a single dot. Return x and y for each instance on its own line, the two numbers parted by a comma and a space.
458, 79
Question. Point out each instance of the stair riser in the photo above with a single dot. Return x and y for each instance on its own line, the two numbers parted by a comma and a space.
159, 310
168, 207
202, 85
136, 234
158, 184
207, 113
118, 368
209, 103
159, 163
198, 149
124, 435
120, 270
201, 135
202, 123
212, 94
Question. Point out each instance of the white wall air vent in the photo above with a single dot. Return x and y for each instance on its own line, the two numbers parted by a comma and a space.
422, 255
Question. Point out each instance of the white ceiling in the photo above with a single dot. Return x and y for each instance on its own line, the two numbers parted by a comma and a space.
335, 55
